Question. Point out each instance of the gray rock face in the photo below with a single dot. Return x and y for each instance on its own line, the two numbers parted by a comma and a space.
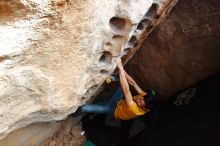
55, 54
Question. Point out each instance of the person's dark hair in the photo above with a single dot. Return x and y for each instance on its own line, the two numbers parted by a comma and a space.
150, 98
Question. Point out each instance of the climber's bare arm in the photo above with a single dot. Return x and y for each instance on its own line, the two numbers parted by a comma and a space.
124, 83
132, 82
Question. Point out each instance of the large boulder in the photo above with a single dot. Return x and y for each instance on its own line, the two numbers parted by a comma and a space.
55, 54
182, 50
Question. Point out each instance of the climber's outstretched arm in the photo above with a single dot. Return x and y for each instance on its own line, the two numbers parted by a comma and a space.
132, 82
124, 83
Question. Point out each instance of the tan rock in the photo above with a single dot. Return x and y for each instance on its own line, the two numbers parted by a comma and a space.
32, 135
50, 54
55, 54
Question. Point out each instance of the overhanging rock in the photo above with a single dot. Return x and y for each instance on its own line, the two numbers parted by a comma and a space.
55, 54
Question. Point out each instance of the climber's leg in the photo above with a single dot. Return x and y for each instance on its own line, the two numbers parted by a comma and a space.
91, 108
110, 119
118, 95
100, 108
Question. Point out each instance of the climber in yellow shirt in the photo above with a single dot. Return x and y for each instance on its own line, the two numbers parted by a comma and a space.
130, 107
124, 109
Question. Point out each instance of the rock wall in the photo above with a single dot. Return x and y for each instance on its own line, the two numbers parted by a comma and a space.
31, 135
55, 54
182, 50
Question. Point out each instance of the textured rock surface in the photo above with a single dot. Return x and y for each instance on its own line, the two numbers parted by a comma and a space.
180, 52
183, 50
55, 53
32, 135
69, 134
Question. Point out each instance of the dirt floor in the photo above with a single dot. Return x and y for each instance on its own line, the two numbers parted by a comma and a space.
70, 134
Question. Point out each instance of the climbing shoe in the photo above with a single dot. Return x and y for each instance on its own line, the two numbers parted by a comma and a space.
112, 78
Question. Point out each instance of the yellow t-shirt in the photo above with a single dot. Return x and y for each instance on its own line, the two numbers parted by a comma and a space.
124, 112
